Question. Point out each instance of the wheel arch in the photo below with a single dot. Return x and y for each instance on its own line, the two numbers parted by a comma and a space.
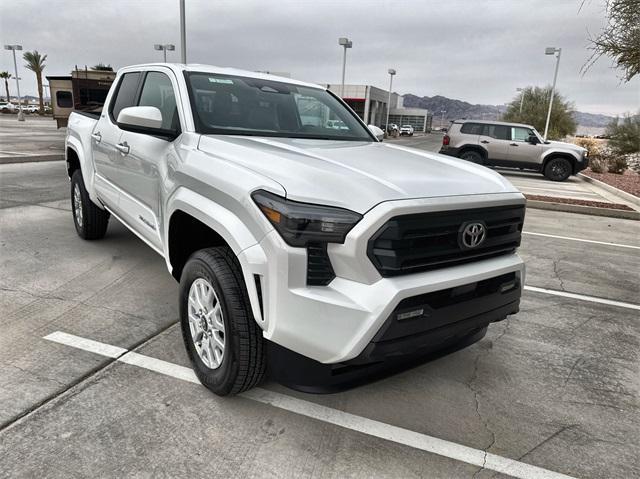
559, 154
476, 148
195, 222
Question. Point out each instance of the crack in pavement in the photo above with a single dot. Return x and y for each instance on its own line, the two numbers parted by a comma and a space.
557, 274
476, 397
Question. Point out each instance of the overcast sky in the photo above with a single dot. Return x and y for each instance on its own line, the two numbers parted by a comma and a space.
474, 50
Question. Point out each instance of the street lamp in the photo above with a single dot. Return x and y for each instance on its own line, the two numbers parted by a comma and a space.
442, 118
552, 51
164, 48
346, 43
391, 72
522, 92
15, 66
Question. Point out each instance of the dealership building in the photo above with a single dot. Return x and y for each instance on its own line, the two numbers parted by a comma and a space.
370, 103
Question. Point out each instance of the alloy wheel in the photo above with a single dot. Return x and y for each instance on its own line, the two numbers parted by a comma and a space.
206, 323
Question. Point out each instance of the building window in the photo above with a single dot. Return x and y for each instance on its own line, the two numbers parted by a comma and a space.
64, 99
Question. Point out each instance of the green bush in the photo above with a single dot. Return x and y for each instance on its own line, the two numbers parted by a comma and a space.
625, 134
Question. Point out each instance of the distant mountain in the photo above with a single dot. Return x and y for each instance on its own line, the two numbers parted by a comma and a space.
461, 109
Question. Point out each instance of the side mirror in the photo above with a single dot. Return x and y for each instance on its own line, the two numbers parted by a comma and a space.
144, 119
377, 132
533, 139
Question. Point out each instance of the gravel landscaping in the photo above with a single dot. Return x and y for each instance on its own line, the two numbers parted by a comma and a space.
628, 182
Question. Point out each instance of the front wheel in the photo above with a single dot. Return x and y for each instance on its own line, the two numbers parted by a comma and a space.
223, 341
557, 169
89, 219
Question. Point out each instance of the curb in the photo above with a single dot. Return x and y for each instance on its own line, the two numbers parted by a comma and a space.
612, 189
30, 158
584, 210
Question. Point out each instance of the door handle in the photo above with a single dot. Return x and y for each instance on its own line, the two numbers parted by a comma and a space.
514, 144
485, 141
123, 148
97, 136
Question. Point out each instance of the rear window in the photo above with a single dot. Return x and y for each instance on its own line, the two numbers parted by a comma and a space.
64, 99
472, 128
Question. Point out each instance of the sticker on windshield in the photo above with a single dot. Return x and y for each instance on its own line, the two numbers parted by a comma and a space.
226, 81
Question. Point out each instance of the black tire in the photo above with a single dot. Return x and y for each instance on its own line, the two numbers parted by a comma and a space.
557, 169
90, 220
243, 364
472, 156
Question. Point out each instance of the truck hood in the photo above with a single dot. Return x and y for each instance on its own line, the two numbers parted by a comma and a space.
561, 145
354, 175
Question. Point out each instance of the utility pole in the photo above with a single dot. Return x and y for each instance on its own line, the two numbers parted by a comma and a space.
183, 34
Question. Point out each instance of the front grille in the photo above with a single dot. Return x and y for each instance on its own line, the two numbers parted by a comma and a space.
426, 241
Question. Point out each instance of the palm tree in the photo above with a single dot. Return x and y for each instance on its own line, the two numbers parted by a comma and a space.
35, 63
5, 76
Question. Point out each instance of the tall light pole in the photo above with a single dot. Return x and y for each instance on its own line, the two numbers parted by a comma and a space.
522, 92
183, 34
346, 43
552, 51
15, 66
391, 72
442, 118
164, 48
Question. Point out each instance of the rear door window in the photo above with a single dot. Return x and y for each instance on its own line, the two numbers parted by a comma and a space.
471, 128
499, 132
125, 95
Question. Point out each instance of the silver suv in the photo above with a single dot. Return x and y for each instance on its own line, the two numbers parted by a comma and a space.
513, 145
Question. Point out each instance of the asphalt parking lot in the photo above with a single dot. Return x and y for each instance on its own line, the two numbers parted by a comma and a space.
553, 389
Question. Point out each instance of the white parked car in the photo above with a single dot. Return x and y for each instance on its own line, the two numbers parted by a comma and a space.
318, 250
406, 130
4, 106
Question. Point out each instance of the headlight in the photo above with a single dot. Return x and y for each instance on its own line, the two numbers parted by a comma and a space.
585, 153
302, 223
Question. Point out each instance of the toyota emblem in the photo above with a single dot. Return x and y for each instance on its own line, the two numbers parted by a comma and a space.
472, 234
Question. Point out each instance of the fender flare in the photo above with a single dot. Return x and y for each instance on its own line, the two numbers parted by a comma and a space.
559, 154
473, 147
86, 166
231, 228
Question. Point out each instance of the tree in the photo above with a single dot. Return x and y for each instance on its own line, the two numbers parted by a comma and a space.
102, 67
619, 39
5, 76
535, 105
625, 134
35, 63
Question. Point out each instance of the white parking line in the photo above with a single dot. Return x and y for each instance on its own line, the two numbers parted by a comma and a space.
434, 445
582, 297
582, 240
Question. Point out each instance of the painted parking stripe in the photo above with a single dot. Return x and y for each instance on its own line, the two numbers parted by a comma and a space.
424, 442
582, 297
582, 240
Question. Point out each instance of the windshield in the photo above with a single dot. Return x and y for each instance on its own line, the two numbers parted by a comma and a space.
230, 105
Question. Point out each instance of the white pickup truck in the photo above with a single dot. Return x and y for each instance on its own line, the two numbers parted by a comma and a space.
319, 251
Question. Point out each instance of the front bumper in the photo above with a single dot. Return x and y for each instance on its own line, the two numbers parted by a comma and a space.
581, 165
337, 323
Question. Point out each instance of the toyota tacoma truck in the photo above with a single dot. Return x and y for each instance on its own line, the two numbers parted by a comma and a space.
320, 255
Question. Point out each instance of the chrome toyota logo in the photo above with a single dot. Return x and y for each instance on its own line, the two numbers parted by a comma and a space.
473, 234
